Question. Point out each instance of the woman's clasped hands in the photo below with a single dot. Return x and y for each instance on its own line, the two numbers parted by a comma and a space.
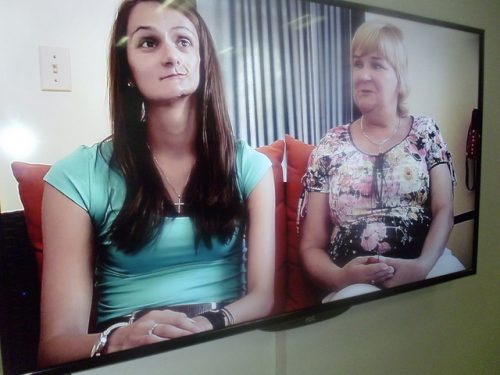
155, 326
405, 270
384, 272
366, 270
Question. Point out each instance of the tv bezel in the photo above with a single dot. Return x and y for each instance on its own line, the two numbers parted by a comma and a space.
311, 315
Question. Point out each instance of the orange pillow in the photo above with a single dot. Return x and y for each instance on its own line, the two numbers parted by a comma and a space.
30, 180
30, 186
275, 153
300, 292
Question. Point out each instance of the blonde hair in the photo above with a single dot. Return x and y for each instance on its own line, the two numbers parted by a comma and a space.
386, 40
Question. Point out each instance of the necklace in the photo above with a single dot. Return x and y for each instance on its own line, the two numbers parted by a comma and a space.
179, 204
379, 144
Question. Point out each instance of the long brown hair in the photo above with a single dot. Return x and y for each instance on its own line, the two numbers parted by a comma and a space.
213, 199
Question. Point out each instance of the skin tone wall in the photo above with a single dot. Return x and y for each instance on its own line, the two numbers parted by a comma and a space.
443, 329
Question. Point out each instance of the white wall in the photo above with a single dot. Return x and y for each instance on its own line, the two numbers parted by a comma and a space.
60, 121
251, 353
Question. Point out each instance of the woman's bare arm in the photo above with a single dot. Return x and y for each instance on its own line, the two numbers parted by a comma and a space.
261, 253
314, 238
442, 216
409, 270
66, 280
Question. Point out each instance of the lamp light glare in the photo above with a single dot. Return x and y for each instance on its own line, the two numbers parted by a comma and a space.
17, 141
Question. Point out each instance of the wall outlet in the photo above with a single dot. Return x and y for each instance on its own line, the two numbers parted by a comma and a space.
55, 69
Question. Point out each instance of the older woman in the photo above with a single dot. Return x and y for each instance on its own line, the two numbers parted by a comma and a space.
155, 216
379, 191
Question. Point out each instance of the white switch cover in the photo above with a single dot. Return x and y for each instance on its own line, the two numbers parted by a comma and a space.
55, 69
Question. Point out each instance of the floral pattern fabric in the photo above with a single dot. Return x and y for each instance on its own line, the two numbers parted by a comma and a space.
379, 204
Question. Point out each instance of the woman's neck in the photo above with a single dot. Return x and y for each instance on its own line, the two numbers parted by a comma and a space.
172, 128
381, 119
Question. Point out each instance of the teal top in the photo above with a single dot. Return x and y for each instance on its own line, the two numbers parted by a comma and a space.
169, 270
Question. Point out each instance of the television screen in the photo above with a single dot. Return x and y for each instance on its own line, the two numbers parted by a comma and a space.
371, 120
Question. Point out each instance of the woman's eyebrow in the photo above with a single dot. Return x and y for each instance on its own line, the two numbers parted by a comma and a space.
147, 28
150, 28
184, 28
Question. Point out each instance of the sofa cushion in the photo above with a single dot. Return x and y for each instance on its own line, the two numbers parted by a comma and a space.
30, 186
300, 290
275, 153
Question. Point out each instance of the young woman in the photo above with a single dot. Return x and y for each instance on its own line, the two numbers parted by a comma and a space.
153, 222
380, 189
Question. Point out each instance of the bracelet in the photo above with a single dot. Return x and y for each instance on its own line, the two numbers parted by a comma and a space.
101, 342
216, 318
228, 315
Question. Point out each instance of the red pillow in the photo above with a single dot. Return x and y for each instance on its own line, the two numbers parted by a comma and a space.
275, 153
30, 180
30, 185
300, 292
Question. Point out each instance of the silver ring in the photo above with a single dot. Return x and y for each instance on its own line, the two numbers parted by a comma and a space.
152, 329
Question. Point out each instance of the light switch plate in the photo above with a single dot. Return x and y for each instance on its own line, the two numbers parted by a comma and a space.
55, 69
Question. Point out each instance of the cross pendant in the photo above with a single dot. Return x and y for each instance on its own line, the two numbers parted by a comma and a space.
178, 205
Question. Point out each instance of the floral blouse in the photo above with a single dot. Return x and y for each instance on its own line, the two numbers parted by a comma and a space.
379, 204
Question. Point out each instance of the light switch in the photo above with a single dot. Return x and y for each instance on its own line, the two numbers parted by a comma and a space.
55, 69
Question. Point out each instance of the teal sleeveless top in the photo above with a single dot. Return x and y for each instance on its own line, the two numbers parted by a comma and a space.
169, 270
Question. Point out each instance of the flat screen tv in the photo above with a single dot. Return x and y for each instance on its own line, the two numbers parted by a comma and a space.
287, 76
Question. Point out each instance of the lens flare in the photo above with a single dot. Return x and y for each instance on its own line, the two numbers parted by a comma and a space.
164, 5
122, 42
17, 141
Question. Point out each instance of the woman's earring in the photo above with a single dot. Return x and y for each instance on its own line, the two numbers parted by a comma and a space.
143, 112
130, 84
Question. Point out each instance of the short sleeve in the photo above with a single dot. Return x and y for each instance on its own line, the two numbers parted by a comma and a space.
251, 167
71, 177
317, 176
82, 175
437, 150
